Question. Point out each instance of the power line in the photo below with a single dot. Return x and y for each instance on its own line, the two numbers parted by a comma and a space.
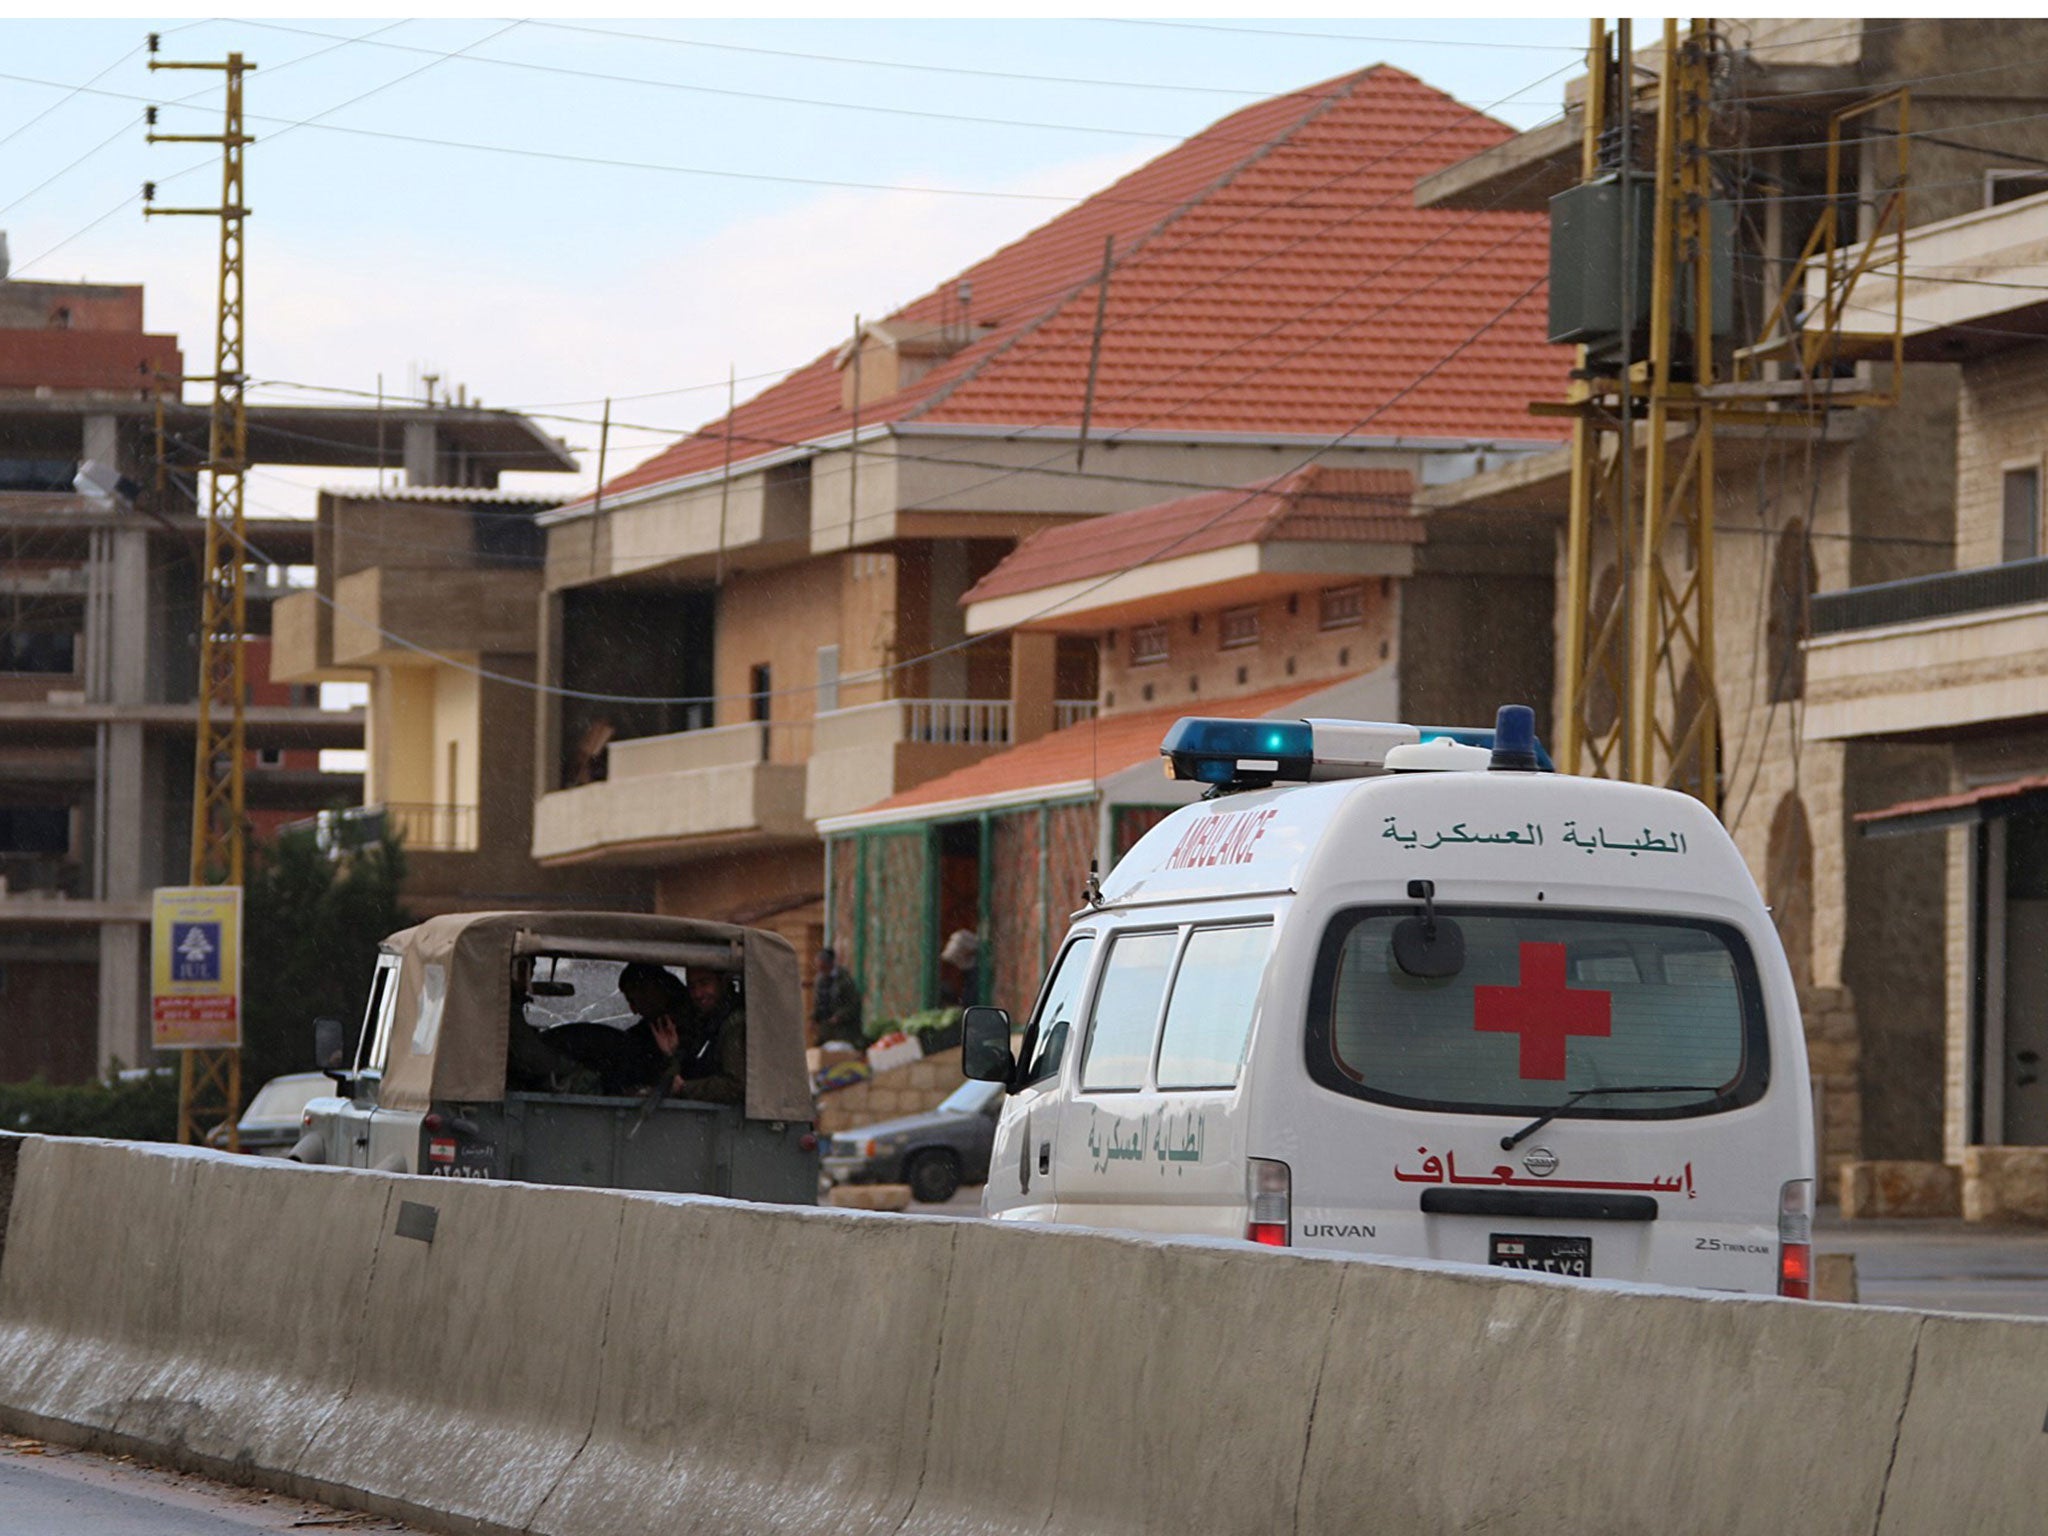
734, 93
612, 163
1019, 347
207, 164
904, 64
888, 669
1065, 289
126, 128
1354, 37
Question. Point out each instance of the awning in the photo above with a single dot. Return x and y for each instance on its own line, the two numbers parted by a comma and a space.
1987, 802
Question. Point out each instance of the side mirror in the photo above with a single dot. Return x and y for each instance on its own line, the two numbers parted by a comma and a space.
1428, 947
330, 1051
985, 1045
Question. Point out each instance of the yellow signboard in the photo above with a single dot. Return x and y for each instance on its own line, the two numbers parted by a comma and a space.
195, 968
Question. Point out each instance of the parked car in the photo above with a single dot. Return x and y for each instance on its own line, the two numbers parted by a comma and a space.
275, 1117
934, 1153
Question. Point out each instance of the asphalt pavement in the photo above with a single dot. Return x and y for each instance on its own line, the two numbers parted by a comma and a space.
1948, 1266
51, 1490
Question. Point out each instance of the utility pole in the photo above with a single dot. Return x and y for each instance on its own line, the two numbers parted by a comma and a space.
210, 1081
1640, 700
1642, 263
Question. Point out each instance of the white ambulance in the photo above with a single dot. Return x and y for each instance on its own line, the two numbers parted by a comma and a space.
1441, 1005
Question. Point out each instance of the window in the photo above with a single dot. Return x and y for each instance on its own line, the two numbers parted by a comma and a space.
1058, 1009
828, 678
28, 650
760, 691
1209, 1019
1343, 607
1237, 626
2002, 187
2022, 513
35, 829
375, 1039
1126, 1013
270, 757
1548, 1003
1149, 644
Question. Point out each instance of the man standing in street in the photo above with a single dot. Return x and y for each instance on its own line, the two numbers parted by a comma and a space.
835, 1002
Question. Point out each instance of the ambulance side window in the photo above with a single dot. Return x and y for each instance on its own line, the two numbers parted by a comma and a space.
1126, 1014
1058, 1011
1209, 1020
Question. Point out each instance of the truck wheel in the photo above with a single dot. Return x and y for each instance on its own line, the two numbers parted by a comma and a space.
933, 1177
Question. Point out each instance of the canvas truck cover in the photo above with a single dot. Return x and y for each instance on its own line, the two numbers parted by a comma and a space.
448, 1033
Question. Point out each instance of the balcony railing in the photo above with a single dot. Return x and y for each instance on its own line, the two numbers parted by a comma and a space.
419, 828
1066, 712
1931, 597
957, 722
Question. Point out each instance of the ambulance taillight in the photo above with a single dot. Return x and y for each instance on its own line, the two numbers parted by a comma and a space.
1795, 1238
1269, 1187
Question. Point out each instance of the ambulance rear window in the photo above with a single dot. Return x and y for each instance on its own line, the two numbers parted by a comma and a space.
1546, 1004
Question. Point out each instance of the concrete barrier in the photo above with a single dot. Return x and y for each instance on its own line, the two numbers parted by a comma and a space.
1457, 1402
510, 1358
1970, 1437
762, 1372
477, 1350
1092, 1384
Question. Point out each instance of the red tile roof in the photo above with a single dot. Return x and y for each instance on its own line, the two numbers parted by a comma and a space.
1316, 503
1963, 800
1273, 277
1094, 749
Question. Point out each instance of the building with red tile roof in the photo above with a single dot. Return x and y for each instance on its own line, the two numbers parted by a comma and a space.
1270, 277
1230, 371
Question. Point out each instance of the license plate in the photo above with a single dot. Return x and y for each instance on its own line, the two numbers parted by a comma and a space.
1552, 1255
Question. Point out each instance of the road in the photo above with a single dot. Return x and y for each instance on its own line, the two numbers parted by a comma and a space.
1951, 1266
49, 1490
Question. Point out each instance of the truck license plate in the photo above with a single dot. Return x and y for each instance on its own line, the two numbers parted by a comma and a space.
1552, 1255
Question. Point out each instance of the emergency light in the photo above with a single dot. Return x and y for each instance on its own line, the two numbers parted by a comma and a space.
1252, 754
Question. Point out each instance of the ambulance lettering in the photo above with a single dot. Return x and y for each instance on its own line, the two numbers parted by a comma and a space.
1230, 838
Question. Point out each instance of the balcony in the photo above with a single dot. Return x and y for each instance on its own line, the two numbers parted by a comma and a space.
1930, 656
866, 754
302, 642
741, 784
436, 611
1066, 712
419, 828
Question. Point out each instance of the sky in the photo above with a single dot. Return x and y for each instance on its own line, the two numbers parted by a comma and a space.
520, 206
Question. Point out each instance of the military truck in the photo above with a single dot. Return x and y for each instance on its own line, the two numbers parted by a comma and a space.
444, 1082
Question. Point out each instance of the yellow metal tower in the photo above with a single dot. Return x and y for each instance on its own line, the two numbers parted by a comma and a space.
210, 1081
1651, 307
1640, 700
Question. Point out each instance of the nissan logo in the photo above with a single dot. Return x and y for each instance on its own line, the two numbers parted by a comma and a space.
1541, 1161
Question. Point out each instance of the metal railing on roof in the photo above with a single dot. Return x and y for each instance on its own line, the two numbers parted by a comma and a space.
1931, 597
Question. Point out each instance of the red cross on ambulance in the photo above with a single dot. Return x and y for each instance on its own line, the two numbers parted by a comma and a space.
1543, 1010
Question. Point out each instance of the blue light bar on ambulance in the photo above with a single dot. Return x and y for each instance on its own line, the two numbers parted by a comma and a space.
1241, 752
1250, 754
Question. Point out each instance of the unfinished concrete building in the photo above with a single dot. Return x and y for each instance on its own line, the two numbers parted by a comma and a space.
99, 580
